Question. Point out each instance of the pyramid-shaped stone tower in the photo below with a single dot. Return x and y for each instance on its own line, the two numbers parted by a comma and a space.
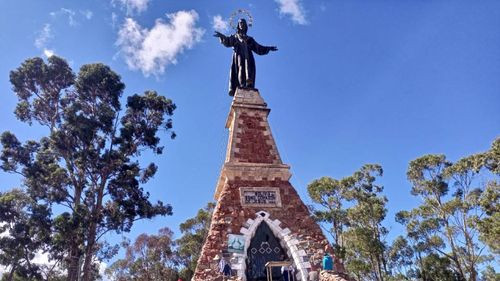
259, 216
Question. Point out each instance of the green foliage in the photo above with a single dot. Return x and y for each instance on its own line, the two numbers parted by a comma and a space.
354, 210
400, 257
489, 274
87, 165
150, 257
458, 212
194, 232
158, 257
489, 223
433, 267
451, 235
28, 230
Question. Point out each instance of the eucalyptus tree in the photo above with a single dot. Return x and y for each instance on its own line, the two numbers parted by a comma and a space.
85, 174
159, 257
353, 210
458, 216
401, 256
25, 229
149, 258
194, 233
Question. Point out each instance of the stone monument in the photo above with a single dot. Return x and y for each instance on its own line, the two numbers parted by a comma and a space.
259, 216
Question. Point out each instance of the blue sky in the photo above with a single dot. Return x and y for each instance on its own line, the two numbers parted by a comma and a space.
353, 82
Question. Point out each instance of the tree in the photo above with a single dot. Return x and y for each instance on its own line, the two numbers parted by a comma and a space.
457, 211
489, 274
436, 268
354, 210
149, 258
194, 232
28, 231
332, 195
409, 261
489, 223
88, 164
400, 259
158, 257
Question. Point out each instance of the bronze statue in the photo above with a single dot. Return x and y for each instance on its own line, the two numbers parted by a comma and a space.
242, 74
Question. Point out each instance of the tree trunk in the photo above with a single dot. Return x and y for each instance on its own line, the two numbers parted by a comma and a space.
449, 236
91, 239
74, 252
379, 266
421, 265
74, 263
454, 251
471, 256
89, 253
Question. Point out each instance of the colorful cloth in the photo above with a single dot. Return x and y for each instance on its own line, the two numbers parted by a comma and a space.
327, 262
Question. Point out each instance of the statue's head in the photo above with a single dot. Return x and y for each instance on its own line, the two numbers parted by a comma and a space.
242, 26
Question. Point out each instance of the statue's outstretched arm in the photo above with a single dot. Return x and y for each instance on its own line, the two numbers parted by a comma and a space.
225, 40
262, 50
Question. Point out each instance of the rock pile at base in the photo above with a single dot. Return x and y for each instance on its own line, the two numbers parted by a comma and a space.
330, 275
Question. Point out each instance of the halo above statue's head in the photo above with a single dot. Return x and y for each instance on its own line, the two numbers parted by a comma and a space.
240, 14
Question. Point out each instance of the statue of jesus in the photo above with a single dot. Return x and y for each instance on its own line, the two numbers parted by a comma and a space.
242, 74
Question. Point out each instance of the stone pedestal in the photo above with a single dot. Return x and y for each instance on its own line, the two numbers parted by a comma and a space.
254, 188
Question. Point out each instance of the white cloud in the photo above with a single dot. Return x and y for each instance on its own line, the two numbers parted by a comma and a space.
5, 233
102, 269
72, 15
42, 258
48, 53
43, 36
219, 24
87, 14
3, 268
114, 19
68, 12
294, 9
134, 5
152, 50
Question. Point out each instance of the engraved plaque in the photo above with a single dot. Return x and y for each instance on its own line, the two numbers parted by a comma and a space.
260, 196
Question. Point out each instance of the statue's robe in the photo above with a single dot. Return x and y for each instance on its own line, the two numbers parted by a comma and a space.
242, 73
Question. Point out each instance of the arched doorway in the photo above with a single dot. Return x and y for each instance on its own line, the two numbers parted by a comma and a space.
264, 247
